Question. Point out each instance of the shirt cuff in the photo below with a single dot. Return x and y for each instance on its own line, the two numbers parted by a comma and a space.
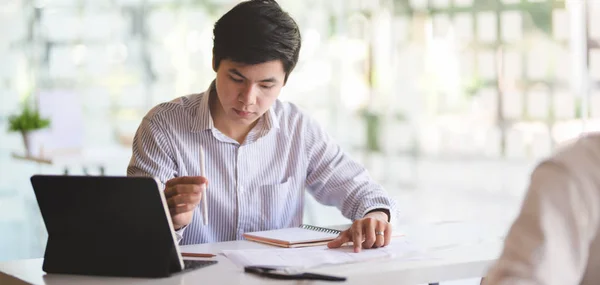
382, 209
179, 234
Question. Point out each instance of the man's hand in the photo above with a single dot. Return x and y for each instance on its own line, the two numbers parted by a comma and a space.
183, 195
372, 231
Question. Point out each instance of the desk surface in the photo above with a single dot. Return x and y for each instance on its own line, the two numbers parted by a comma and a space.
452, 253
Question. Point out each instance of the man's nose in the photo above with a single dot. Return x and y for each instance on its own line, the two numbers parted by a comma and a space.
248, 95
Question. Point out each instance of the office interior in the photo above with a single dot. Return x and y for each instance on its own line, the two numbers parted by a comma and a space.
448, 103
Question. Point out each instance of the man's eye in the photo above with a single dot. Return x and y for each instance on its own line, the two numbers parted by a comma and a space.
267, 87
235, 79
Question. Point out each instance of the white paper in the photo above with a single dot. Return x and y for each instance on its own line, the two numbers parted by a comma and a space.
310, 257
442, 235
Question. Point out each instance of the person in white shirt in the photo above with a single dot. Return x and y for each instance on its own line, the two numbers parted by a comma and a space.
555, 239
261, 153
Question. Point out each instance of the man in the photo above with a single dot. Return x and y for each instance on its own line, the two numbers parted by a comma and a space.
260, 153
555, 239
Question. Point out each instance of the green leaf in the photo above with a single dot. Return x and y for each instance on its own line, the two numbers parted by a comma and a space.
28, 120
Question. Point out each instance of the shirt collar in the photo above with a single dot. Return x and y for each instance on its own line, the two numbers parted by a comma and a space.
271, 119
205, 121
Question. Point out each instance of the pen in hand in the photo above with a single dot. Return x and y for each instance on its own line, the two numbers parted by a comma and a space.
204, 202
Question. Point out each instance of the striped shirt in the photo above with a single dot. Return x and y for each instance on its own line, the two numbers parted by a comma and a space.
259, 184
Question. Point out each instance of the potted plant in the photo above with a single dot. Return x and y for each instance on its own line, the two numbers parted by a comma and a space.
26, 122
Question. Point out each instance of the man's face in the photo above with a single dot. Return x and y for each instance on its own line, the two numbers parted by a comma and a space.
245, 91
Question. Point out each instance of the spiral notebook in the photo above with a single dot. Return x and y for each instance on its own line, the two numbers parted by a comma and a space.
302, 236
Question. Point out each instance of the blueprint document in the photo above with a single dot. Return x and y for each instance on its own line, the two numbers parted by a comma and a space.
309, 257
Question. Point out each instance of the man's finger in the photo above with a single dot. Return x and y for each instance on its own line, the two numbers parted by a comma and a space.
193, 199
186, 180
369, 233
184, 208
388, 234
380, 239
357, 236
343, 238
183, 189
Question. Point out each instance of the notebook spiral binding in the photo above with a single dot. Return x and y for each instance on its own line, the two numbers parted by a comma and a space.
320, 229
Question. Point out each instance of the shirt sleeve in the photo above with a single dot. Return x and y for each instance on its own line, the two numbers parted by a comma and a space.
549, 241
151, 157
152, 154
334, 179
179, 234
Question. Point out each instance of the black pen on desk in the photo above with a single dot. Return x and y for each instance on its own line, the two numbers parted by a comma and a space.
276, 273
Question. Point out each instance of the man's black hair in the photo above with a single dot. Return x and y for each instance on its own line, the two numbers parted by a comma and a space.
257, 31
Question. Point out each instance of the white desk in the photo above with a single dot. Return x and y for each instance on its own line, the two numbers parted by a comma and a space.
450, 262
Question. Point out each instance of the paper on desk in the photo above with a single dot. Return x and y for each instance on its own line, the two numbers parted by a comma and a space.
309, 257
450, 234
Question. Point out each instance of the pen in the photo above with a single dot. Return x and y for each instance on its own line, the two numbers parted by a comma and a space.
276, 274
204, 203
190, 254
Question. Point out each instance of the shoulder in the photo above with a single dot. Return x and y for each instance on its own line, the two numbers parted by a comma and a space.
296, 124
582, 152
178, 109
292, 117
287, 110
577, 160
